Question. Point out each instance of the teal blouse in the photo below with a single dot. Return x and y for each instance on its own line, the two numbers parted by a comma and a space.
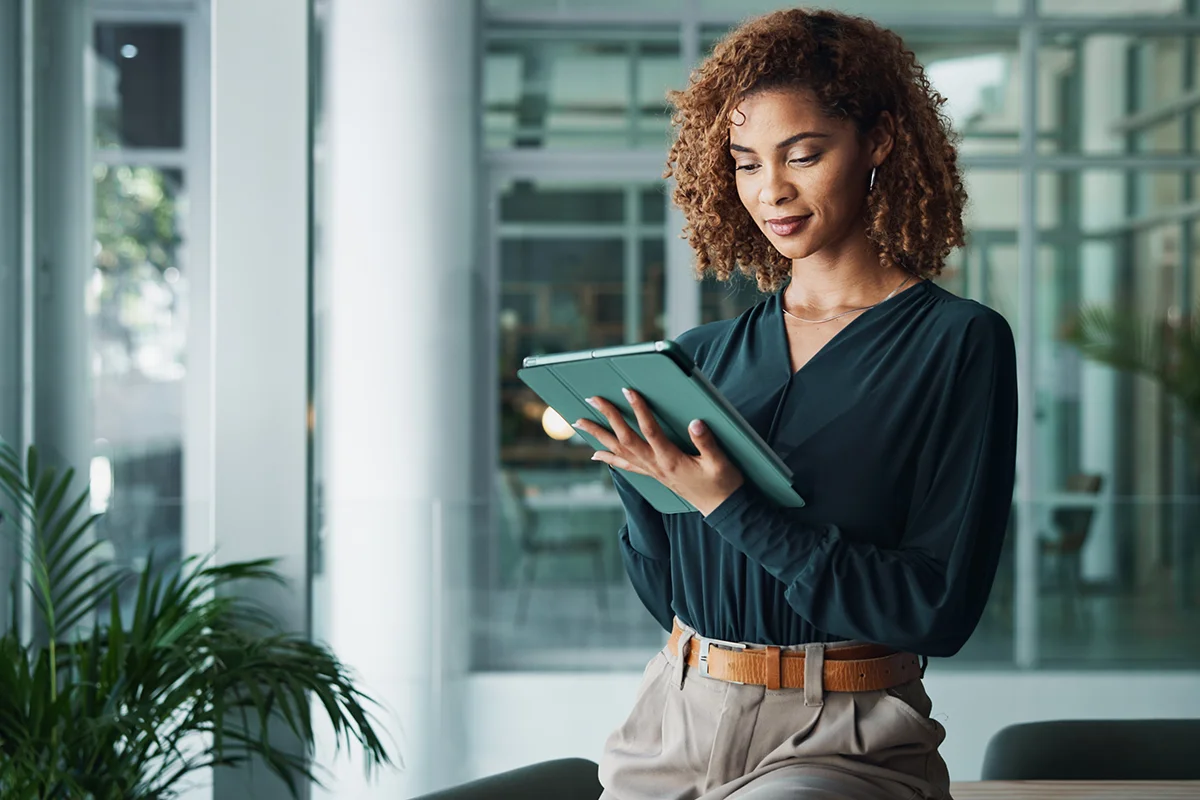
901, 434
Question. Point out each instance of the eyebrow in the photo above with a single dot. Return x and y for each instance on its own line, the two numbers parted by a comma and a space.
786, 142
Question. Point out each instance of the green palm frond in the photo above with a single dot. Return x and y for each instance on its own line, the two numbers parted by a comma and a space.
105, 705
1167, 353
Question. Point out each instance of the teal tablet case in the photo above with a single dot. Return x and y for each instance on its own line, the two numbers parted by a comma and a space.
677, 393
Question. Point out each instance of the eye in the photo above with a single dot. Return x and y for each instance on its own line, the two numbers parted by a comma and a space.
805, 159
746, 167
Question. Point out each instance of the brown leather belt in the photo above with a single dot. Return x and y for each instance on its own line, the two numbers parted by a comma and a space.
849, 668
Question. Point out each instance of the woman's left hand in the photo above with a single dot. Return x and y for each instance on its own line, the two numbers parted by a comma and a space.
705, 480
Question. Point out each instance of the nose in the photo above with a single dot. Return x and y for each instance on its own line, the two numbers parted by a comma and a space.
775, 190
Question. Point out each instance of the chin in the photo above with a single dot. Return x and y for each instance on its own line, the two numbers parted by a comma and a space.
793, 249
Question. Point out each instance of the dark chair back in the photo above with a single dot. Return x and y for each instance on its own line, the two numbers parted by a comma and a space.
1095, 750
564, 779
1073, 523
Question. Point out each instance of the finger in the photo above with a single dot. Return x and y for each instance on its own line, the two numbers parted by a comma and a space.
598, 432
651, 432
625, 434
616, 461
705, 442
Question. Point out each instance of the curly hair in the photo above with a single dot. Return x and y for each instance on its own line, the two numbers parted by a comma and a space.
857, 70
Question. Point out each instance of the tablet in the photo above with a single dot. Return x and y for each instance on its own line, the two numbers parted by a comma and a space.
677, 393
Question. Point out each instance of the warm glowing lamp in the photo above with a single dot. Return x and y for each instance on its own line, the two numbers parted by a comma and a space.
555, 426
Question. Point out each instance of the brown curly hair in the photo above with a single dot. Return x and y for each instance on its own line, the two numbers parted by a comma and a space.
857, 70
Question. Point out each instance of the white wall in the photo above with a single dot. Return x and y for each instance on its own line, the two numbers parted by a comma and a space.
521, 718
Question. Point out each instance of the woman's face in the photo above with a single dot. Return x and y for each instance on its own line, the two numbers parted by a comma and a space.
802, 176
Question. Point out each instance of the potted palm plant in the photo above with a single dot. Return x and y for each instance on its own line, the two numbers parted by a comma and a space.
103, 701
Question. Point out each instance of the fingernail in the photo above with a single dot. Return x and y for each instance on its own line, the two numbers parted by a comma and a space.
628, 394
595, 456
591, 401
577, 424
696, 426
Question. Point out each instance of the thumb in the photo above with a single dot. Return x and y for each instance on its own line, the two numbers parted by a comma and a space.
703, 439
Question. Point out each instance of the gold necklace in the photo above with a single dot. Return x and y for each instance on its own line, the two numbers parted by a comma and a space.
846, 313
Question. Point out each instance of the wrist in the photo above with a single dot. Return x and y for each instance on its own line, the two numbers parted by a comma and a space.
710, 503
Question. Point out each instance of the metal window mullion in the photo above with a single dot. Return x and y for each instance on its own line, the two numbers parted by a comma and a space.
1052, 162
1131, 25
646, 163
682, 303
633, 265
1183, 511
146, 14
504, 20
158, 158
552, 230
1148, 118
632, 111
1025, 612
604, 166
28, 296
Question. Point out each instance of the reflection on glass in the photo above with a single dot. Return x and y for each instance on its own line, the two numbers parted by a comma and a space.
138, 86
136, 302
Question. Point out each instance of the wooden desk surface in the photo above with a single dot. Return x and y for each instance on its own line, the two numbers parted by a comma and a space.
1074, 790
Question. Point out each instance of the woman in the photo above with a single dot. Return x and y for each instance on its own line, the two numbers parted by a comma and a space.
810, 147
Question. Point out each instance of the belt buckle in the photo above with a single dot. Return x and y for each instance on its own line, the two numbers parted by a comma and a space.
706, 643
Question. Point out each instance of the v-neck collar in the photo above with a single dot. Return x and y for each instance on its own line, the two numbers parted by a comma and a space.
778, 325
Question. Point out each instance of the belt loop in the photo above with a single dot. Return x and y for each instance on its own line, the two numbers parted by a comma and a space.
814, 674
774, 667
685, 641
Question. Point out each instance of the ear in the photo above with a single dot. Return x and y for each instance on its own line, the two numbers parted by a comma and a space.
881, 138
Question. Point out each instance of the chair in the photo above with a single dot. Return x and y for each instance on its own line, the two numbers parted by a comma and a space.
1073, 525
524, 527
564, 779
1097, 750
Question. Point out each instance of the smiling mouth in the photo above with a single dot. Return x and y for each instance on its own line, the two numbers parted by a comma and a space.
787, 226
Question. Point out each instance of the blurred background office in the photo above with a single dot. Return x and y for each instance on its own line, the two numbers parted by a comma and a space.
268, 269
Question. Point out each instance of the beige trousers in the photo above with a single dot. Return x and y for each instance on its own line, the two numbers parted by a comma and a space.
692, 737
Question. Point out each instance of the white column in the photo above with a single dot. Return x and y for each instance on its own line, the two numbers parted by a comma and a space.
257, 321
62, 231
403, 317
1102, 198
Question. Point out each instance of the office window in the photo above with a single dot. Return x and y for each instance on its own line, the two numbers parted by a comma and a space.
581, 266
1115, 508
571, 92
1114, 560
139, 86
139, 290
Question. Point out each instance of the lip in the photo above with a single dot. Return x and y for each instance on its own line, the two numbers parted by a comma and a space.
787, 226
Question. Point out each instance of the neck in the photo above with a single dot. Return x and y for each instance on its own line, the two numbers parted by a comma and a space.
848, 276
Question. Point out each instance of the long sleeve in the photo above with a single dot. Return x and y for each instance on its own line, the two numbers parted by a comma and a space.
646, 551
925, 595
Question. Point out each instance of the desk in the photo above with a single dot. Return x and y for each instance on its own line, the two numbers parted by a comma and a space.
1074, 790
